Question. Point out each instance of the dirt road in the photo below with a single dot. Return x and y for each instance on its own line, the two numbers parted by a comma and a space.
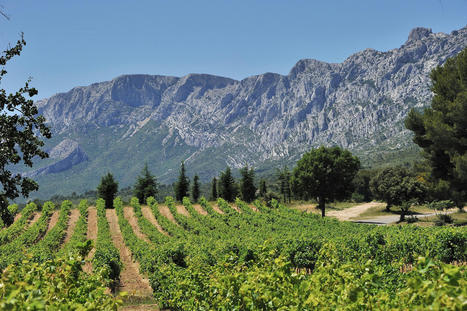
355, 211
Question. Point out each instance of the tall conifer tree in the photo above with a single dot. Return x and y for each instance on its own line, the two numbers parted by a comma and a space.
195, 192
183, 184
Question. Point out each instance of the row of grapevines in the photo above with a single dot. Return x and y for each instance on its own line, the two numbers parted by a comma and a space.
145, 225
78, 240
107, 256
14, 251
142, 251
171, 228
48, 246
10, 233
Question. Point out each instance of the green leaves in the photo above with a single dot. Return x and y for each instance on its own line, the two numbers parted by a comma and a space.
441, 130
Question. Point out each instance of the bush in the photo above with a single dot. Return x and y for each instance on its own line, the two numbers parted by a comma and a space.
358, 197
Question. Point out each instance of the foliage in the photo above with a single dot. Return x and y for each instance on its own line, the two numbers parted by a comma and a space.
195, 191
56, 284
397, 186
285, 188
107, 190
326, 173
441, 129
107, 256
146, 185
227, 186
247, 184
20, 136
214, 193
361, 184
262, 188
182, 185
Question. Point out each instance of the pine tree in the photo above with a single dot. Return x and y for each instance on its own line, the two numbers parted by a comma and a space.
107, 190
441, 129
146, 185
214, 189
183, 184
228, 189
247, 186
195, 191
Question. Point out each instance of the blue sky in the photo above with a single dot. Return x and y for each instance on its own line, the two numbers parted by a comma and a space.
72, 43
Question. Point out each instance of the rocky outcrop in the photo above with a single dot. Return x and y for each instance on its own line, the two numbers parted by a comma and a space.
66, 154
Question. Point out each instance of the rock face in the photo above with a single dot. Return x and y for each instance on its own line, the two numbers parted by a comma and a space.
66, 154
213, 121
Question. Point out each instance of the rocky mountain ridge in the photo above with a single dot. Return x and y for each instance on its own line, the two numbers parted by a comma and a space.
263, 120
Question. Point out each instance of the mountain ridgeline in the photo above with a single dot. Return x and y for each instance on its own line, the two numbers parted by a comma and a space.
264, 121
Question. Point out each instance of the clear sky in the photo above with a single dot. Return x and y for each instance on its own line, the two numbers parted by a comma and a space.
73, 43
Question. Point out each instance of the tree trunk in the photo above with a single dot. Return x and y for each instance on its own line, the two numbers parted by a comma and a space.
321, 205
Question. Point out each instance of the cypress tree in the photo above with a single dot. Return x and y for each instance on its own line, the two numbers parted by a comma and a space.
182, 185
284, 184
195, 191
107, 190
214, 189
146, 185
247, 187
262, 188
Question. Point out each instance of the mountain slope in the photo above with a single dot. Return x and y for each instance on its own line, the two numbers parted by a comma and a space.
263, 120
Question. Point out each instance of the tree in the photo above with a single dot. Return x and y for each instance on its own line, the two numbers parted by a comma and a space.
21, 129
441, 130
195, 192
107, 190
398, 186
362, 185
325, 173
146, 185
214, 189
228, 189
183, 184
262, 188
284, 184
385, 183
247, 185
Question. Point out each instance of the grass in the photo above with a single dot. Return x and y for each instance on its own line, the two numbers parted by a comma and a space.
459, 219
381, 211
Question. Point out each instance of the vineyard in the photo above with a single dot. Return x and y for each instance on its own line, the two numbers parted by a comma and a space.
223, 256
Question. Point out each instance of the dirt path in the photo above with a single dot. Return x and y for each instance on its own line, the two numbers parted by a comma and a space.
151, 307
147, 213
253, 208
355, 211
390, 219
130, 216
164, 210
53, 221
34, 218
131, 280
91, 235
235, 207
199, 209
17, 216
217, 209
182, 210
74, 216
